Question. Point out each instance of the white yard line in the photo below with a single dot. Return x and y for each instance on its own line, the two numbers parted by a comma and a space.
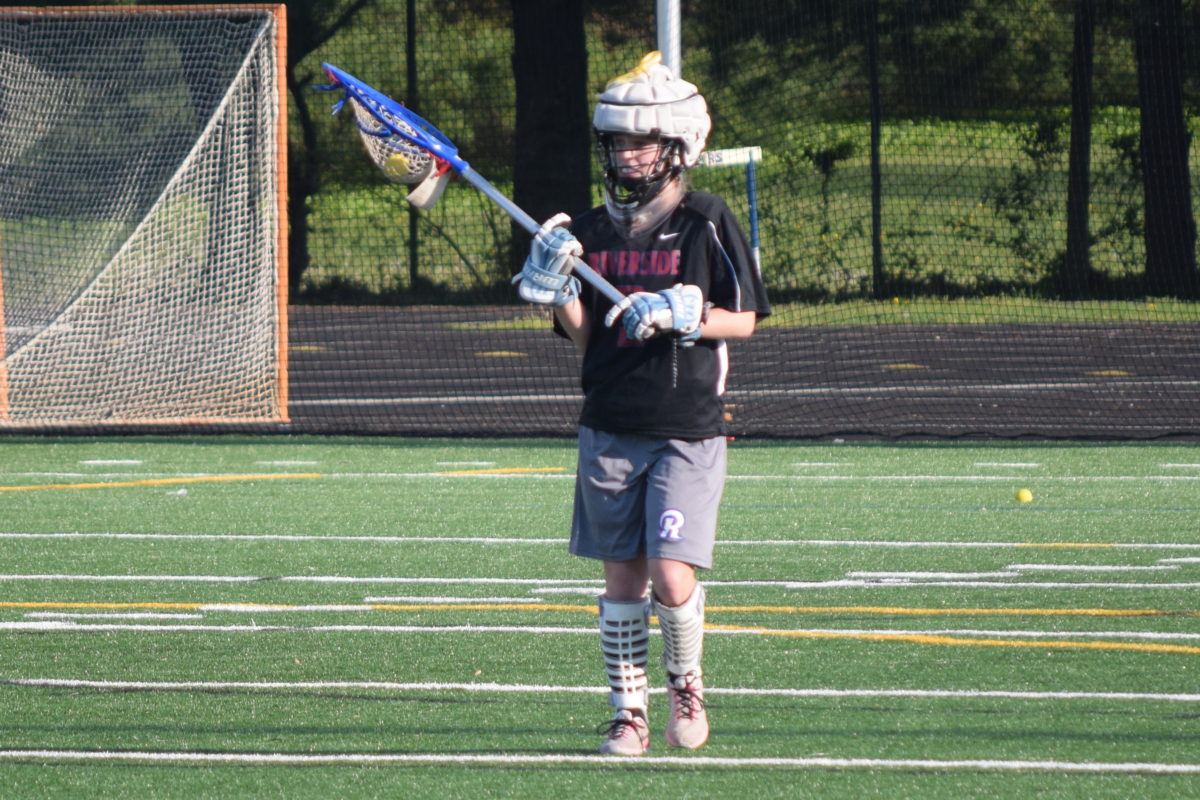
970, 478
1113, 638
525, 688
287, 537
836, 583
1091, 568
898, 583
930, 576
687, 762
1012, 464
522, 473
560, 540
67, 626
132, 615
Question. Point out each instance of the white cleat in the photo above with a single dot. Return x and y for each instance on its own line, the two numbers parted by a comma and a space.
688, 724
627, 734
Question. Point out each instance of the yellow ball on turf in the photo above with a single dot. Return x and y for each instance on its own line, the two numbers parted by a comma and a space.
1024, 496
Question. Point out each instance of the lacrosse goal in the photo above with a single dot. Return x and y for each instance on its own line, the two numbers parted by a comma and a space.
143, 224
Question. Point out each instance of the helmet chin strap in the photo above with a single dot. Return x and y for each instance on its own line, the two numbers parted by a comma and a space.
633, 219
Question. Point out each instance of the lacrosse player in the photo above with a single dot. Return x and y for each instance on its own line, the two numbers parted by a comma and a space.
652, 431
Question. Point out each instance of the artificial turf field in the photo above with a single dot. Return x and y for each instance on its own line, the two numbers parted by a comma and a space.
337, 617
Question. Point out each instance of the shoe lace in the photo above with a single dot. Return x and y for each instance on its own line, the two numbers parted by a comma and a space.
690, 701
615, 727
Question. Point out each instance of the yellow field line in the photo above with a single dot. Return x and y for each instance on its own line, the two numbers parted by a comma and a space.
921, 638
479, 607
162, 481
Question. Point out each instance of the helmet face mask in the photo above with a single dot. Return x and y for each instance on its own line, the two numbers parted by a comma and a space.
634, 190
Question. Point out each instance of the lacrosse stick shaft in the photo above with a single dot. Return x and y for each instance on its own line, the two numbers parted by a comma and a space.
597, 281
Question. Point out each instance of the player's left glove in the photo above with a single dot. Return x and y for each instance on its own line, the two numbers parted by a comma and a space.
641, 314
676, 310
687, 310
546, 278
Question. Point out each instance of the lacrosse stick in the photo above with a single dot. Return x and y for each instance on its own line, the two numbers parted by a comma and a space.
410, 150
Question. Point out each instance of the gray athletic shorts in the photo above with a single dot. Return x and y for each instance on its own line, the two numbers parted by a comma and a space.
636, 495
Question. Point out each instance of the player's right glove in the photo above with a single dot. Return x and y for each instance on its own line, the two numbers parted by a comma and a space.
546, 278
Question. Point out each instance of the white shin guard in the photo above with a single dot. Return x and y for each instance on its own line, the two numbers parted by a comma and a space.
682, 630
625, 642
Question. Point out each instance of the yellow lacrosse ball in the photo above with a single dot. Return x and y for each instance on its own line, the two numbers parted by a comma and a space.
1024, 496
397, 166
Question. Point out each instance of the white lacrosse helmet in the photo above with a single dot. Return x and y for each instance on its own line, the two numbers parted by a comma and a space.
651, 101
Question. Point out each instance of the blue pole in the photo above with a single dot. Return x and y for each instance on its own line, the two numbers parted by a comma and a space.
752, 193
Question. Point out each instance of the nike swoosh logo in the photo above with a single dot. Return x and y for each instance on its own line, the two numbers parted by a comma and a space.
662, 237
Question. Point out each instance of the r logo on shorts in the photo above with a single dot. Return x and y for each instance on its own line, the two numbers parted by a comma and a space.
670, 525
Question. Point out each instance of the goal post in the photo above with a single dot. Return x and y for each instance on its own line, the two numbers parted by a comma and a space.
143, 227
3, 350
736, 157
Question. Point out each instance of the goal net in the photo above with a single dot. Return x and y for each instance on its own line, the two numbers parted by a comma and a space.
142, 217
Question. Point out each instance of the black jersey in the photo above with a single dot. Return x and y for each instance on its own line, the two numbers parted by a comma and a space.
659, 388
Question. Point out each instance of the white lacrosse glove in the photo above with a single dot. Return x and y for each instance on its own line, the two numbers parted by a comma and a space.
546, 278
641, 313
677, 310
687, 311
